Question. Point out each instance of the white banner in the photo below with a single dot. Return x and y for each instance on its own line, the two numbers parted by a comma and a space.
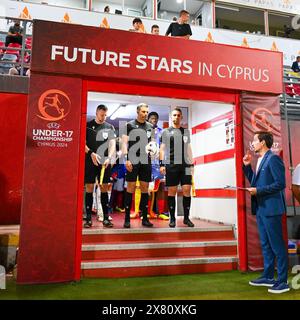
288, 6
289, 47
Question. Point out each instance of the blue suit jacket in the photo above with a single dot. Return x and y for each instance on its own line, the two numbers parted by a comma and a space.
295, 66
270, 184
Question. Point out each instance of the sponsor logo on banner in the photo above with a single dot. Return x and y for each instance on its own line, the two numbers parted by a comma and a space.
274, 47
245, 43
209, 38
104, 23
262, 119
66, 18
54, 105
25, 14
53, 125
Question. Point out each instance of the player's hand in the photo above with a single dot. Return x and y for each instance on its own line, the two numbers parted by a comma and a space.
162, 170
106, 163
128, 166
247, 158
95, 159
253, 191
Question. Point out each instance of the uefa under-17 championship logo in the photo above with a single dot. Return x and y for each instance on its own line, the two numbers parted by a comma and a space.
262, 119
53, 105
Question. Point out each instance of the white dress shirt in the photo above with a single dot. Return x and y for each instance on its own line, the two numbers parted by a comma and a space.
296, 176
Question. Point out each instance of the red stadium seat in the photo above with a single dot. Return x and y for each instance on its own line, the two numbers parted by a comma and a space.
2, 44
297, 89
28, 42
289, 89
13, 49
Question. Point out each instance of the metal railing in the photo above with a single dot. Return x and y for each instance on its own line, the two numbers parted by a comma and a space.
290, 111
21, 52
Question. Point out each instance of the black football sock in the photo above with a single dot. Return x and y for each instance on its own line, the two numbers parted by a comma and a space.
144, 205
172, 207
104, 204
127, 203
186, 206
88, 205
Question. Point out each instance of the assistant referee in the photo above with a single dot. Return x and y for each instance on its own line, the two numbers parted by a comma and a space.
176, 162
100, 148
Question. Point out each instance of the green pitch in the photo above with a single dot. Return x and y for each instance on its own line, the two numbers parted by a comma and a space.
224, 285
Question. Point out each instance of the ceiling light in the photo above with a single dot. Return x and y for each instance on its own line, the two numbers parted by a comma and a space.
112, 107
118, 112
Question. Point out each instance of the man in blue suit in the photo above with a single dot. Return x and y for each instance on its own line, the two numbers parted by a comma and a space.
296, 65
268, 204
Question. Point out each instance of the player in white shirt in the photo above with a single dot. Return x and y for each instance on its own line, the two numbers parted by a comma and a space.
296, 183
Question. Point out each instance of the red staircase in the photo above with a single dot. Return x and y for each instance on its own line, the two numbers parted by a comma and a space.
117, 253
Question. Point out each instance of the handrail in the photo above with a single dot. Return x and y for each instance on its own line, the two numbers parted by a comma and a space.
21, 51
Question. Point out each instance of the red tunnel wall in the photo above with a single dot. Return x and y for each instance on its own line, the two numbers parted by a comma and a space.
13, 112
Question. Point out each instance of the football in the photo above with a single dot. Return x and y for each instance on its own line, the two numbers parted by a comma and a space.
152, 149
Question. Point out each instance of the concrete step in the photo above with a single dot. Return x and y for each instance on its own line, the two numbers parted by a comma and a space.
153, 267
162, 235
158, 249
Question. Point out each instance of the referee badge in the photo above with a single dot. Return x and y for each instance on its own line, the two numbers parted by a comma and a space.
105, 135
185, 139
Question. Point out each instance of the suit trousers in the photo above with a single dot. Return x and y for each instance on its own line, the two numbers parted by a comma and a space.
273, 246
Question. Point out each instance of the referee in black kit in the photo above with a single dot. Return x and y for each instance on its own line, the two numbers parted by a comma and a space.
100, 148
139, 133
176, 162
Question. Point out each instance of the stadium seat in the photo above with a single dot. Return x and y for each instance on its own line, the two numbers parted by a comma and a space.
296, 88
2, 44
289, 90
13, 49
28, 42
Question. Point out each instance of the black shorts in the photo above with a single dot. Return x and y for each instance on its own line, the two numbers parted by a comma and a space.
143, 171
178, 174
92, 172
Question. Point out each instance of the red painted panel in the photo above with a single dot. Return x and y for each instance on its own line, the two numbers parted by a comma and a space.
13, 110
217, 156
163, 90
80, 193
49, 221
210, 123
240, 181
215, 193
127, 55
